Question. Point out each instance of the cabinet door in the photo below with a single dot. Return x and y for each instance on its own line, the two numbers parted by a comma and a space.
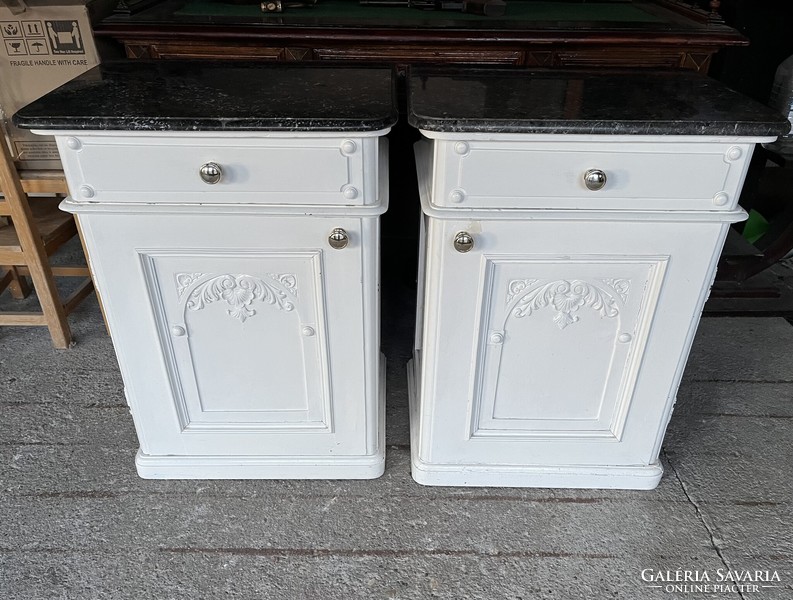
559, 342
241, 335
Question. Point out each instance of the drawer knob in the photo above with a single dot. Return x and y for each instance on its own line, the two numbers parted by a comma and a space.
595, 179
338, 238
463, 241
211, 173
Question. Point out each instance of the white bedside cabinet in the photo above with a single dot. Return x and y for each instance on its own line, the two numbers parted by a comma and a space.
563, 273
238, 270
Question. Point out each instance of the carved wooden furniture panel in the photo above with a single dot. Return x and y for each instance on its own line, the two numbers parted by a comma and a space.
244, 313
555, 321
658, 34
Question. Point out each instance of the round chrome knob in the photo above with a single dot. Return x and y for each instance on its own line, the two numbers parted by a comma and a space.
338, 238
463, 241
595, 179
211, 173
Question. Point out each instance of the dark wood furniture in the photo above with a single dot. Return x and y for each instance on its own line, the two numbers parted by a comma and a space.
658, 34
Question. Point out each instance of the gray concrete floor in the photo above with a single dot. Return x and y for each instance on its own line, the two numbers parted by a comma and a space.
76, 522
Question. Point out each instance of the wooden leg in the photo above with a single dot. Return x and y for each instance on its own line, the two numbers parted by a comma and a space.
33, 249
18, 286
5, 280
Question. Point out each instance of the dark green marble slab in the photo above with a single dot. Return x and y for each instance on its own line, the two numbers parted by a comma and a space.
210, 96
576, 102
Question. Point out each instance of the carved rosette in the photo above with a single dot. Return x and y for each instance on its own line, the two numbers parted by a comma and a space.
287, 280
185, 280
518, 286
566, 297
239, 292
621, 286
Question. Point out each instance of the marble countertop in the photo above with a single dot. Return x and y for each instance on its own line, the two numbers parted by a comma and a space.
211, 96
491, 100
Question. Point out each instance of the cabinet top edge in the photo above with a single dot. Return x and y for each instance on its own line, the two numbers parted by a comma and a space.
131, 135
603, 103
194, 95
601, 138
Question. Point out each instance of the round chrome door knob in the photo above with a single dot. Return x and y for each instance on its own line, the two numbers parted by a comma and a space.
463, 241
338, 238
211, 173
595, 179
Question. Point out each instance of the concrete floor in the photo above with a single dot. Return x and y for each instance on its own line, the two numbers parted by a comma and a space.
76, 522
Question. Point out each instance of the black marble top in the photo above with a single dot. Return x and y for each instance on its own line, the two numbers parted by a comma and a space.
569, 102
211, 96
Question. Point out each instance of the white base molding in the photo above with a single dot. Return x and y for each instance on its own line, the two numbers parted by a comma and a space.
369, 466
637, 477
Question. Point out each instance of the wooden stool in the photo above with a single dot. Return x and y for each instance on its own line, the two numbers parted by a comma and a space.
35, 230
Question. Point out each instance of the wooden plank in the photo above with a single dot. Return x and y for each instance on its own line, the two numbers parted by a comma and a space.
11, 257
82, 292
43, 182
6, 280
52, 224
22, 318
70, 271
18, 286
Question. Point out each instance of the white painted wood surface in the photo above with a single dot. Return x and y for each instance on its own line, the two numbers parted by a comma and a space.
511, 174
550, 354
249, 347
296, 168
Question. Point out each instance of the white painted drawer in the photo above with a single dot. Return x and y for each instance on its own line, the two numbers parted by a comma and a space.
648, 175
305, 170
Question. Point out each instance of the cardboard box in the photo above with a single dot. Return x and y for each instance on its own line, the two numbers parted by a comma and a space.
43, 44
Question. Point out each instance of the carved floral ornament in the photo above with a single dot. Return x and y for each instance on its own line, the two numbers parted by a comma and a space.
238, 291
566, 297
